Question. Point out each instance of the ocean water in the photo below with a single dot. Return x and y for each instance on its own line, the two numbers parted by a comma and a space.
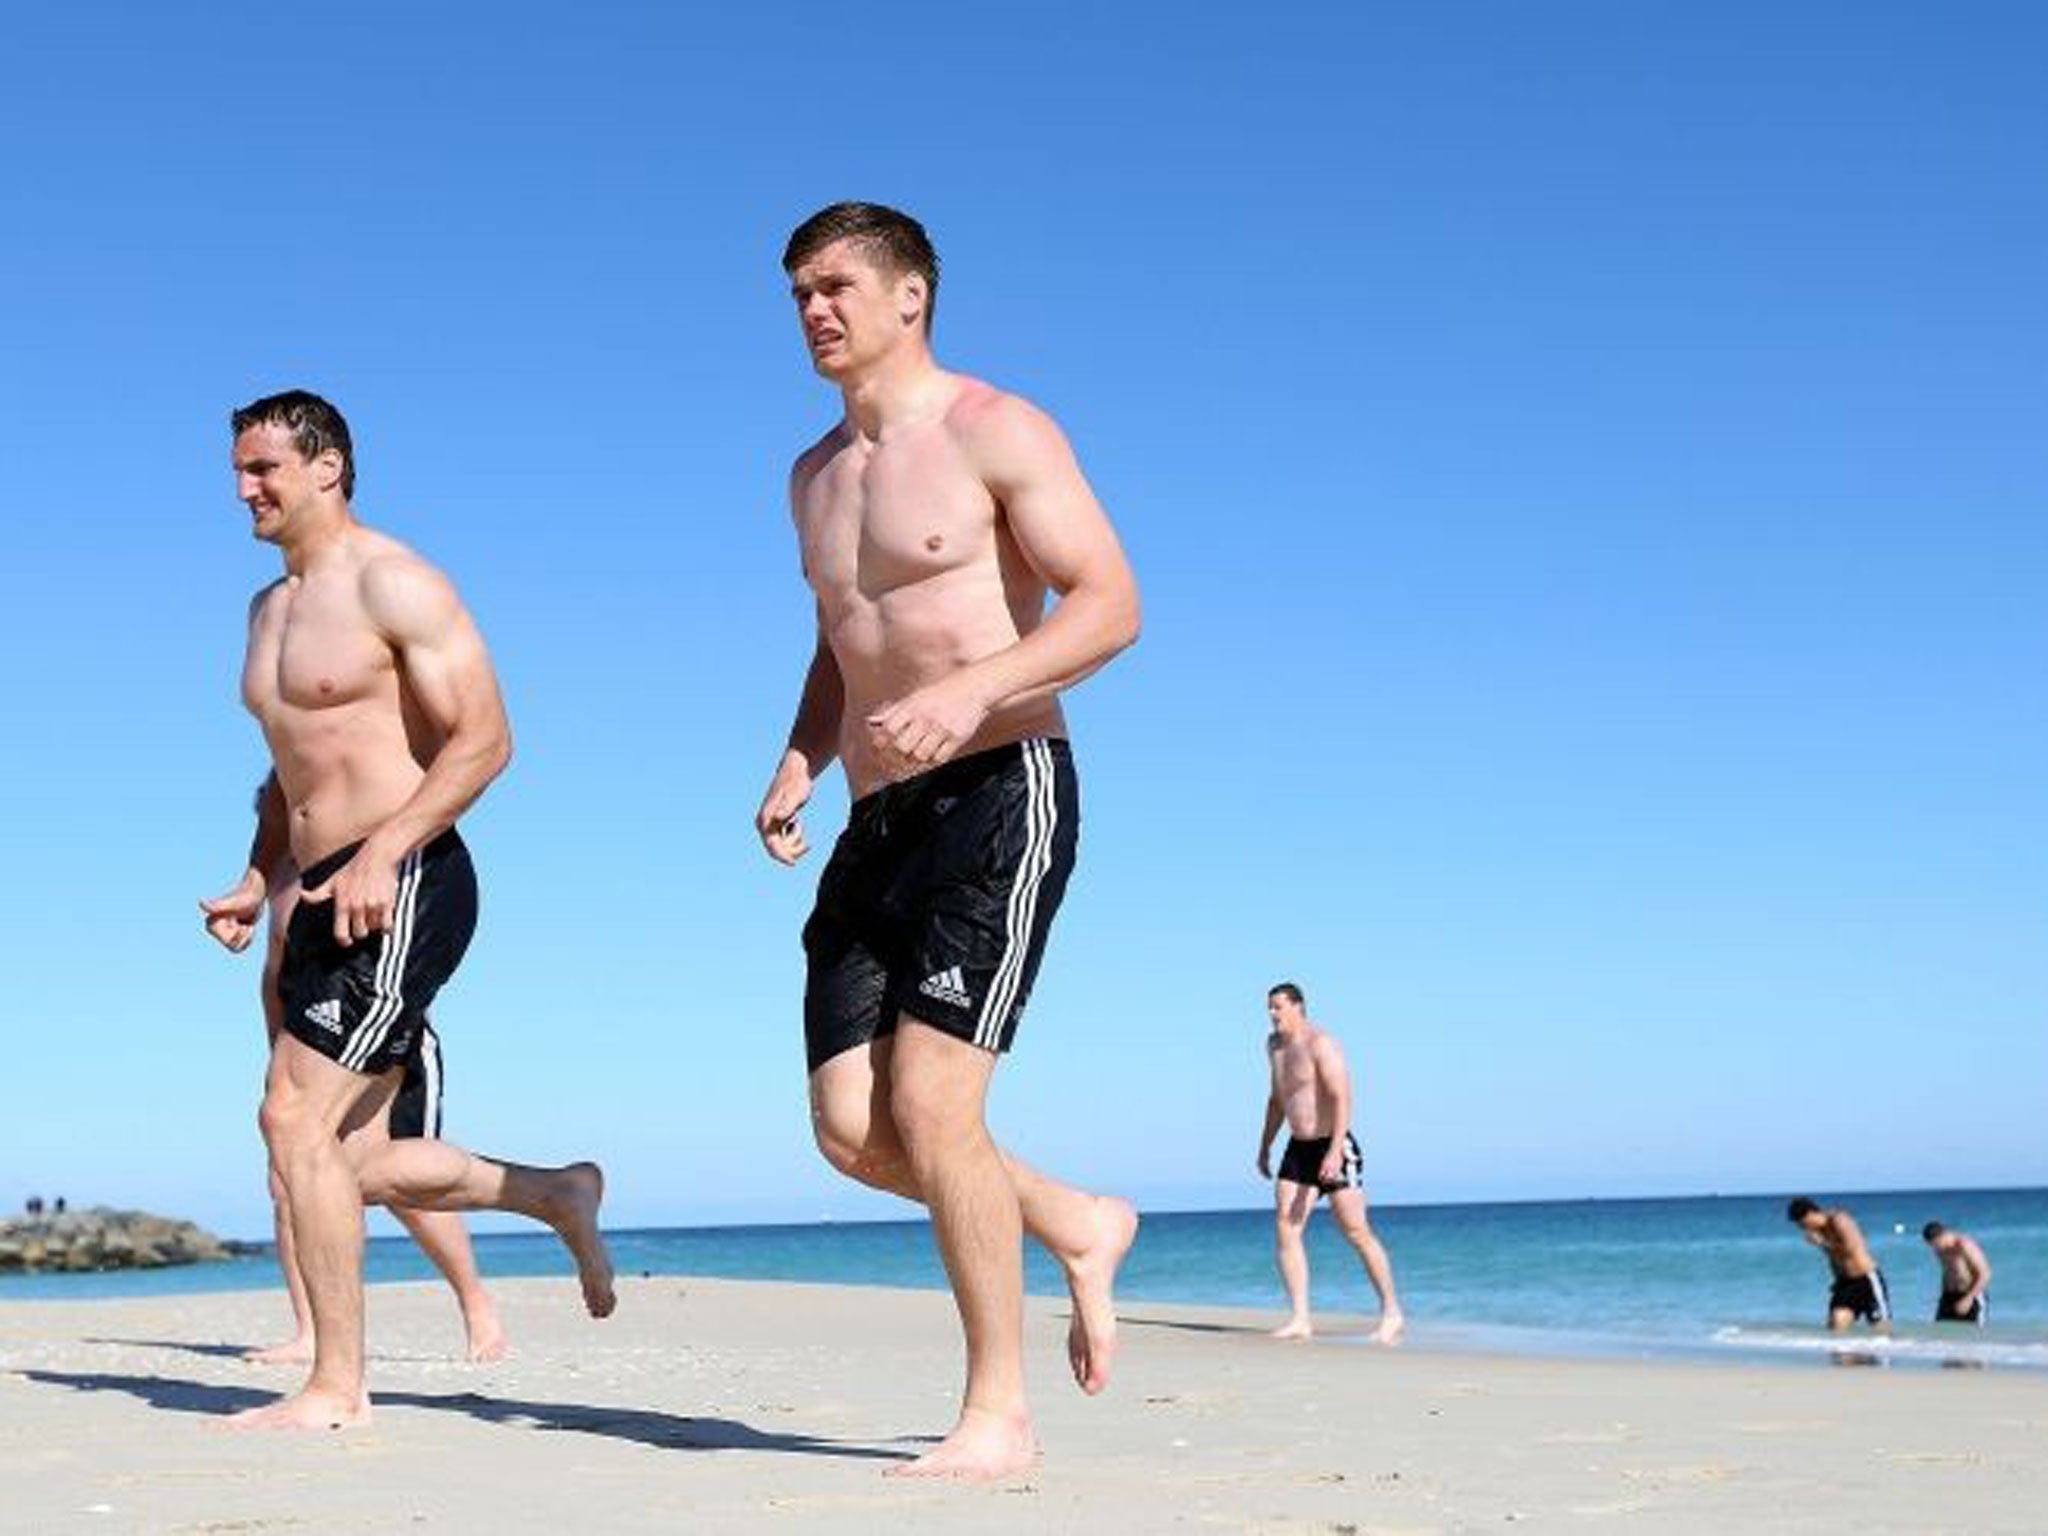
1711, 1277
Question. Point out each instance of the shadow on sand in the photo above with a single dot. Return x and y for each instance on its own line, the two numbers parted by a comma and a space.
639, 1425
215, 1351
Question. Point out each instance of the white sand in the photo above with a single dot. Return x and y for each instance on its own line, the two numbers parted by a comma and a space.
713, 1406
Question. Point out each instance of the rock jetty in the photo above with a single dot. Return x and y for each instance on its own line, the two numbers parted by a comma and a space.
102, 1239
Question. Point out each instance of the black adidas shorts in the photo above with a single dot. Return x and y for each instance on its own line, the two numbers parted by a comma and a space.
938, 899
1302, 1163
416, 1107
364, 1004
1864, 1296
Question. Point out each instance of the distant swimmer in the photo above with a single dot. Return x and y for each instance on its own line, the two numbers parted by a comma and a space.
1859, 1288
380, 706
936, 519
1311, 1092
1965, 1276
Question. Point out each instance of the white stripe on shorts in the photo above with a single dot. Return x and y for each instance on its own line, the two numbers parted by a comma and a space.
1041, 816
388, 985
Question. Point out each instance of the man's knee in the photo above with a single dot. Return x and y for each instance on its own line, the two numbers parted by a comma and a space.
285, 1119
931, 1110
848, 1132
839, 1144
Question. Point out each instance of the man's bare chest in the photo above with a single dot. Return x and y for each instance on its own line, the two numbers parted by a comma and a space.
312, 650
896, 520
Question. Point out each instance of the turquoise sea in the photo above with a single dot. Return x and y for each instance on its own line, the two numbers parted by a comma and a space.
1707, 1277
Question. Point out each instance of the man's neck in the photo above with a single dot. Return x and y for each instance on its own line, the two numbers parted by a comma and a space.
901, 390
326, 534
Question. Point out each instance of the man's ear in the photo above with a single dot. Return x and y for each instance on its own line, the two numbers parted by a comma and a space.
327, 468
912, 298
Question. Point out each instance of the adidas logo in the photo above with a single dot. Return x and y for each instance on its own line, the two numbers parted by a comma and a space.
949, 986
327, 1015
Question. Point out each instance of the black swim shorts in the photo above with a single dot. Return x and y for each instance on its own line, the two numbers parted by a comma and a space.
416, 1107
1863, 1296
1302, 1163
1950, 1309
364, 1004
938, 898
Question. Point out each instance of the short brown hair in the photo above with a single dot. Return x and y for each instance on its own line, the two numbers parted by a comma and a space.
315, 427
1288, 990
896, 241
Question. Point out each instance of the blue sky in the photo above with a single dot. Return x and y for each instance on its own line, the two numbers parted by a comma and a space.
1584, 462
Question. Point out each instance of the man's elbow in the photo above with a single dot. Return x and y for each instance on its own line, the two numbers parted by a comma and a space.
1126, 621
498, 755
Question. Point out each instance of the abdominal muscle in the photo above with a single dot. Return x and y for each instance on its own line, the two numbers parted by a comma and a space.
344, 771
912, 637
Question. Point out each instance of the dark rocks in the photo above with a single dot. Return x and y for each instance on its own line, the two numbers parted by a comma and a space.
104, 1239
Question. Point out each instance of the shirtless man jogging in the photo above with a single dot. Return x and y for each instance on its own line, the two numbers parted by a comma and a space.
933, 520
1311, 1092
414, 1111
376, 695
1965, 1276
1859, 1288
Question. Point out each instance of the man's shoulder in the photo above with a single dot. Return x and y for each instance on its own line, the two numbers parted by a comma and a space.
397, 581
981, 413
265, 593
818, 454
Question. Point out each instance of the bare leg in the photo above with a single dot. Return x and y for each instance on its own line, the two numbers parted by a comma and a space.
939, 1089
305, 1102
298, 1349
430, 1175
1291, 1206
1348, 1206
445, 1240
1087, 1235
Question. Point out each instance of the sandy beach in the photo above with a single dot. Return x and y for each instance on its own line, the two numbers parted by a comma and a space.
710, 1406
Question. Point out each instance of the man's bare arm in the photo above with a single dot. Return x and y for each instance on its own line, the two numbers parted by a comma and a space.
813, 743
1053, 516
448, 672
1275, 1113
231, 918
1336, 1081
1980, 1268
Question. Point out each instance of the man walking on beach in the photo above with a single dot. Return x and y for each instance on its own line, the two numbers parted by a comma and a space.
415, 1110
1311, 1092
1859, 1290
932, 520
381, 710
1965, 1276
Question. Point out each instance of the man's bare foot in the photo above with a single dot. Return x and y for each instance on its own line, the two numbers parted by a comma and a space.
486, 1333
1293, 1328
294, 1351
304, 1410
982, 1447
1091, 1281
1389, 1330
575, 1222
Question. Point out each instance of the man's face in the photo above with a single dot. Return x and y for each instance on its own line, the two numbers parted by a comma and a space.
1283, 1011
851, 309
1813, 1222
273, 479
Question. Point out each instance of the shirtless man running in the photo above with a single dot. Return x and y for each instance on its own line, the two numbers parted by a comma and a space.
1859, 1289
381, 710
1311, 1092
414, 1111
933, 519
